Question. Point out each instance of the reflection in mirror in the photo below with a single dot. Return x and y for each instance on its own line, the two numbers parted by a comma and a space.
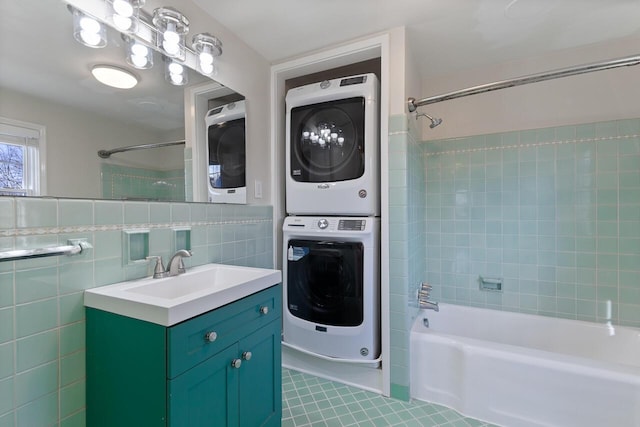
226, 153
47, 90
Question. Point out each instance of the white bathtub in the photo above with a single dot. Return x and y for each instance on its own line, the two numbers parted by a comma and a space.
518, 370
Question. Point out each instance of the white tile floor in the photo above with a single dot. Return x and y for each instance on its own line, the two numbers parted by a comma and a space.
309, 401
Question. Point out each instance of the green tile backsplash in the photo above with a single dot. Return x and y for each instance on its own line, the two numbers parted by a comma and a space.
42, 342
555, 212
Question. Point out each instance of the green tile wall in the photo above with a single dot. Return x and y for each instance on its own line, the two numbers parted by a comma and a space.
406, 242
42, 328
555, 212
123, 183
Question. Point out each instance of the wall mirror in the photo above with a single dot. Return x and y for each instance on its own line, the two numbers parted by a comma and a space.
46, 80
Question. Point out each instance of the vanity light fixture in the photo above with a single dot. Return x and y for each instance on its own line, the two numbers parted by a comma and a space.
172, 27
175, 73
206, 47
124, 14
114, 76
138, 55
88, 30
165, 31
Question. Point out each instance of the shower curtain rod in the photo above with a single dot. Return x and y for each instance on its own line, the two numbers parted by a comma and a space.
105, 154
532, 78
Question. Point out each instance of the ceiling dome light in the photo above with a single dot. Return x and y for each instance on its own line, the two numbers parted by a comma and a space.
114, 76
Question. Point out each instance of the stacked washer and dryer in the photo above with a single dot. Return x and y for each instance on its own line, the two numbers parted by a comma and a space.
331, 236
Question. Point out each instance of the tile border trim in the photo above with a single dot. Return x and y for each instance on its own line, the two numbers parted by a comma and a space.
526, 145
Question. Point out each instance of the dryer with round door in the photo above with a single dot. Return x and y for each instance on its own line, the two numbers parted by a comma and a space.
226, 153
332, 147
331, 286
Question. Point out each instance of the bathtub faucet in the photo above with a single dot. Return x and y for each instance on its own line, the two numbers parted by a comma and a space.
423, 298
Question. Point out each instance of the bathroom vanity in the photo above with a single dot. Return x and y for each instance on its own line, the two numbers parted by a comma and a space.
218, 368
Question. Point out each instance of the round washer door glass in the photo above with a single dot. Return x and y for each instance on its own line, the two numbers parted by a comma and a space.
227, 154
327, 141
325, 281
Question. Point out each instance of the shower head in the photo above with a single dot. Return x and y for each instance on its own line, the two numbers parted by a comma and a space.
434, 121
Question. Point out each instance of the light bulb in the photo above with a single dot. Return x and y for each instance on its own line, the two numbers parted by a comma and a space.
89, 25
90, 38
138, 55
139, 49
171, 48
206, 68
139, 61
122, 22
176, 79
175, 68
123, 8
206, 58
88, 30
170, 36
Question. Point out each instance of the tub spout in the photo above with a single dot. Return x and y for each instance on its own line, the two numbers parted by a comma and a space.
429, 305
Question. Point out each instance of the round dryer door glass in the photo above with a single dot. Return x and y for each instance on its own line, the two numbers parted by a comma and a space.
227, 154
327, 141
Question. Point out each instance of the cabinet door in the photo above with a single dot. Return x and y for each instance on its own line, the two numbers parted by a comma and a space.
207, 395
261, 378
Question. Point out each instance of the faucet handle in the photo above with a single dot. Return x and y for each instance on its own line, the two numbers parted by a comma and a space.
158, 270
181, 268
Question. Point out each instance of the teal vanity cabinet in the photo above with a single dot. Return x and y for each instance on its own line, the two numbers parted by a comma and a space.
221, 368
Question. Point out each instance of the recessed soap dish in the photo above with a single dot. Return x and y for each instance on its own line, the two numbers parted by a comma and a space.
136, 246
490, 284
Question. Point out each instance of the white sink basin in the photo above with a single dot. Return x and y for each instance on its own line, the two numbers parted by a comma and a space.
174, 299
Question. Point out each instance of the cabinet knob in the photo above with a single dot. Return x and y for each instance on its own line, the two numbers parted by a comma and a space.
236, 363
246, 355
264, 309
210, 336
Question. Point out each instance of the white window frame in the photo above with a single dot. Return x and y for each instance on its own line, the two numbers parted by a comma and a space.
35, 164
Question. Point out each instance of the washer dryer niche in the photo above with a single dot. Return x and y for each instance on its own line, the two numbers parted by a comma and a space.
332, 147
226, 153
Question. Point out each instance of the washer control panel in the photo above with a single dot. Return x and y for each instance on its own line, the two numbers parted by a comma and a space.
352, 224
328, 224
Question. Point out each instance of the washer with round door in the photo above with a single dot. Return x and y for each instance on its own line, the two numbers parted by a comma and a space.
332, 147
331, 286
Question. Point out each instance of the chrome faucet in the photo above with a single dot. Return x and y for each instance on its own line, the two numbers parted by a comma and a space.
176, 266
423, 298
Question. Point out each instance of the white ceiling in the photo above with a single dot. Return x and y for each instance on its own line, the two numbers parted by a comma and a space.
446, 35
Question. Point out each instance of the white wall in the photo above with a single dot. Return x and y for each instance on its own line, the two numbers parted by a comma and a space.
73, 138
603, 95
